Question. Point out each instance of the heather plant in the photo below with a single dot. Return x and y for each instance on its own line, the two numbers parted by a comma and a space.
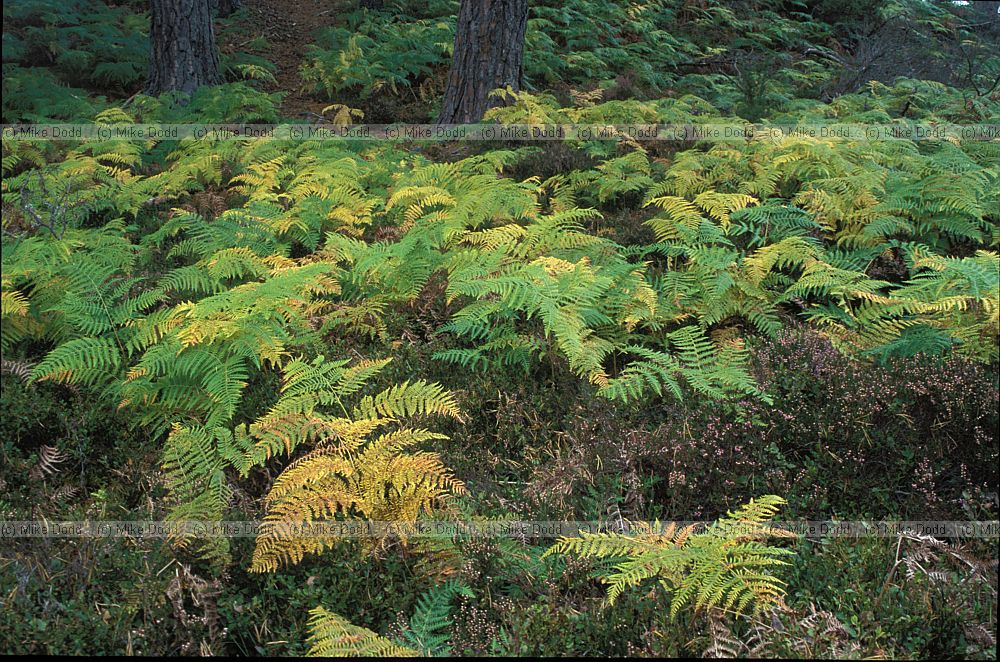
917, 433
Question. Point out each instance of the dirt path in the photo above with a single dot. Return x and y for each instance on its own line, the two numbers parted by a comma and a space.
289, 28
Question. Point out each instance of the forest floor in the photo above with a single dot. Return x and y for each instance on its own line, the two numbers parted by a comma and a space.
289, 29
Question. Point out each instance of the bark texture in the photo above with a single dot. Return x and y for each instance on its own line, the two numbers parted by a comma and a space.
489, 49
183, 55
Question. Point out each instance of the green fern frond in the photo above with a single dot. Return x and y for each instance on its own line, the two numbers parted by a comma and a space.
333, 636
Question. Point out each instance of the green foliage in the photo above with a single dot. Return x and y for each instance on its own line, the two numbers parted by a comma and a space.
632, 330
587, 41
428, 627
375, 53
425, 636
727, 567
333, 636
936, 609
82, 43
233, 102
36, 95
745, 235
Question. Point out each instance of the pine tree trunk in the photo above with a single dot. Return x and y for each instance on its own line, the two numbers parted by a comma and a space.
489, 45
183, 55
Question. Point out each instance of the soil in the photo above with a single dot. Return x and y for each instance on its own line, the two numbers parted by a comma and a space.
290, 27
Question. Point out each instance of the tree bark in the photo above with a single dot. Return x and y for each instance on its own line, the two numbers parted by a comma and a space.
183, 55
489, 49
